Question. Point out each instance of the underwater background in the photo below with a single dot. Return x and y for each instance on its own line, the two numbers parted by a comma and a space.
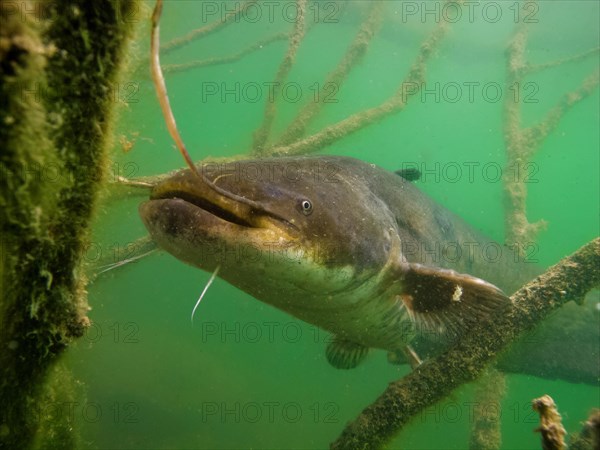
245, 375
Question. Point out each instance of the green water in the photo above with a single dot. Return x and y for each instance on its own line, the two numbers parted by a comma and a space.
248, 376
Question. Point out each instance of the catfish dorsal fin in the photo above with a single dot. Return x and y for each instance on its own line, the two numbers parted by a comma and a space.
410, 174
442, 300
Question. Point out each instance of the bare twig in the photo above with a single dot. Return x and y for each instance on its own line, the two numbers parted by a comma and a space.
161, 88
570, 279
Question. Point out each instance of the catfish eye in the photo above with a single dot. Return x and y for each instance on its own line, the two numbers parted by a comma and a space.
306, 207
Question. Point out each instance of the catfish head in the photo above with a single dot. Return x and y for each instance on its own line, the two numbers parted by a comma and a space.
288, 226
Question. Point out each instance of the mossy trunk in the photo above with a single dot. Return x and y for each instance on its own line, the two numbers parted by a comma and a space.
59, 66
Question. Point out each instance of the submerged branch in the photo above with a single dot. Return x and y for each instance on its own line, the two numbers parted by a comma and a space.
589, 437
207, 29
568, 280
173, 68
485, 427
45, 221
551, 428
353, 56
410, 86
521, 146
531, 68
262, 134
538, 133
522, 143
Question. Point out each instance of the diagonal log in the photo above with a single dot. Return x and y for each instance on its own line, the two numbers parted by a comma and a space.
568, 280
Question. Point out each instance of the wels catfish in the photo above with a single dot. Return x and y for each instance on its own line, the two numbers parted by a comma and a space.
333, 241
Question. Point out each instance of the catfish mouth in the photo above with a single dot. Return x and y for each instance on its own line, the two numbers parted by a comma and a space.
205, 205
217, 204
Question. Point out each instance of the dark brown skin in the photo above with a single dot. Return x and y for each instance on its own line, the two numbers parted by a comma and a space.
333, 241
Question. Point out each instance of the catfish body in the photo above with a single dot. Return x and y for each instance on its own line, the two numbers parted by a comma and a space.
339, 243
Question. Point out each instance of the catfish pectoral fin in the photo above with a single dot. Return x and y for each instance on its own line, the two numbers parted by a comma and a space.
344, 354
446, 301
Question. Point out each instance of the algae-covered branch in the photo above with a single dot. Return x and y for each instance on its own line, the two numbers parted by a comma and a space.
568, 280
58, 64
